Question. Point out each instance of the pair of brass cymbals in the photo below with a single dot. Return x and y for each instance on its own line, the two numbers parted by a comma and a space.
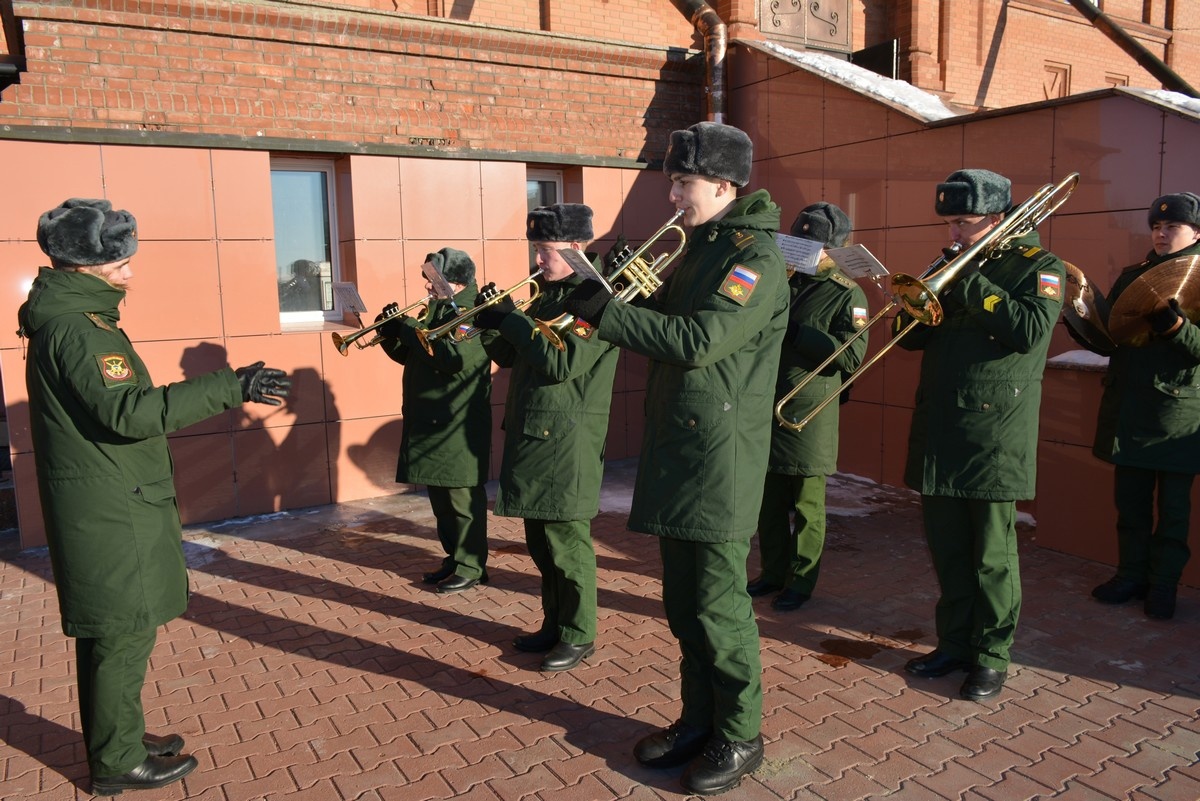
1127, 322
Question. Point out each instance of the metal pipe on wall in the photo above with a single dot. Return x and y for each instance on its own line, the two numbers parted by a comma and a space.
709, 24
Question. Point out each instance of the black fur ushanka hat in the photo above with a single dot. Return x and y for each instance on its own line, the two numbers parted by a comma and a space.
713, 150
454, 265
562, 222
1181, 207
823, 222
979, 192
84, 232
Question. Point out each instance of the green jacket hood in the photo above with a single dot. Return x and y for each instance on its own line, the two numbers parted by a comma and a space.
58, 292
753, 211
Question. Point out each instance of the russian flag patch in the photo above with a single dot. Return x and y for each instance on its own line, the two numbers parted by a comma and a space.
1049, 285
739, 284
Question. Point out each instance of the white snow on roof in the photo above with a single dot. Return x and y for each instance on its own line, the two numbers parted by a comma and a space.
1163, 97
902, 94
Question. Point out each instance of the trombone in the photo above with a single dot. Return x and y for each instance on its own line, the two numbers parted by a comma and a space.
919, 295
632, 277
459, 329
343, 343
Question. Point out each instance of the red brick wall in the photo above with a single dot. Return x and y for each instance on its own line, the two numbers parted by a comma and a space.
292, 71
993, 54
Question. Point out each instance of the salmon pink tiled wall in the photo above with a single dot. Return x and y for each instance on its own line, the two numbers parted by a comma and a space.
204, 295
816, 140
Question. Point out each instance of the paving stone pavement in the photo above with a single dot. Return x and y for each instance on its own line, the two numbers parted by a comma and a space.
314, 664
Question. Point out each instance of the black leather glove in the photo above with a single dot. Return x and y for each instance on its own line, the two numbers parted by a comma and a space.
588, 301
395, 322
493, 315
1163, 320
262, 384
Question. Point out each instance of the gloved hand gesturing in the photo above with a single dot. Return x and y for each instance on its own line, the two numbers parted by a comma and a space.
493, 315
588, 301
1165, 320
262, 384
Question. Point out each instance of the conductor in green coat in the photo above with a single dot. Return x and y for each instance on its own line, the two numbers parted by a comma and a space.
712, 334
447, 423
555, 426
105, 477
972, 448
1149, 426
827, 309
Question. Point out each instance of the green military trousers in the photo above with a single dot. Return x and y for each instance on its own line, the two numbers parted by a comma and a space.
709, 612
110, 672
564, 555
973, 544
1148, 553
791, 554
461, 514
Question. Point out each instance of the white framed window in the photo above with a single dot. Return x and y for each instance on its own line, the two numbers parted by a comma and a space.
542, 188
306, 259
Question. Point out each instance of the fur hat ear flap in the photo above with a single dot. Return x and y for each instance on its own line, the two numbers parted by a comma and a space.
973, 192
83, 232
563, 222
1181, 207
454, 265
823, 222
713, 150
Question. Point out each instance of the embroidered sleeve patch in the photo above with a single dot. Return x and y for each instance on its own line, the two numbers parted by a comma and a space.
115, 369
1049, 285
739, 284
859, 316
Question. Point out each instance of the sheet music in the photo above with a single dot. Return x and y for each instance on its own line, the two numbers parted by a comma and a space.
857, 262
580, 264
347, 298
800, 254
441, 287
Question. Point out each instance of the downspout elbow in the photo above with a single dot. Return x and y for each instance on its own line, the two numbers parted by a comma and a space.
716, 42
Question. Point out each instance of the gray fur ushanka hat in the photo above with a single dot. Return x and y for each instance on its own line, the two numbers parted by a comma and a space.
973, 192
84, 232
562, 222
1181, 207
822, 222
713, 150
454, 265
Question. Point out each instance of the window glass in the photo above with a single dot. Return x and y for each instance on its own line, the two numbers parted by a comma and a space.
304, 254
542, 188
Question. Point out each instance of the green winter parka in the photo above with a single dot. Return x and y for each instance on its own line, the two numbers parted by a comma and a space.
714, 357
104, 470
555, 415
975, 426
447, 409
828, 309
1150, 410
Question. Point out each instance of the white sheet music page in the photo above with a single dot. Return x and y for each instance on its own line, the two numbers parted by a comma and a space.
857, 262
799, 254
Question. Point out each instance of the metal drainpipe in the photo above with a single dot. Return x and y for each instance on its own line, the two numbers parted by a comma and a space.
709, 23
1146, 60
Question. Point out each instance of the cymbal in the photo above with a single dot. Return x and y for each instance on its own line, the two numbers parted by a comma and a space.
1128, 320
1086, 310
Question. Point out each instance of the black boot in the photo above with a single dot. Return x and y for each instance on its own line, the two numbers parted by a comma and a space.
1118, 590
169, 745
722, 765
675, 745
156, 771
1160, 601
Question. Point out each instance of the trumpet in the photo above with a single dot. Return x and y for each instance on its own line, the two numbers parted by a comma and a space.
458, 328
343, 343
632, 277
919, 296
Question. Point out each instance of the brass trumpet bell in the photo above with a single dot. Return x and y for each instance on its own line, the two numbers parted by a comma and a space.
343, 343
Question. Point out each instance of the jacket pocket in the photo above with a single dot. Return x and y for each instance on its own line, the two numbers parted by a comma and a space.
1174, 390
155, 491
